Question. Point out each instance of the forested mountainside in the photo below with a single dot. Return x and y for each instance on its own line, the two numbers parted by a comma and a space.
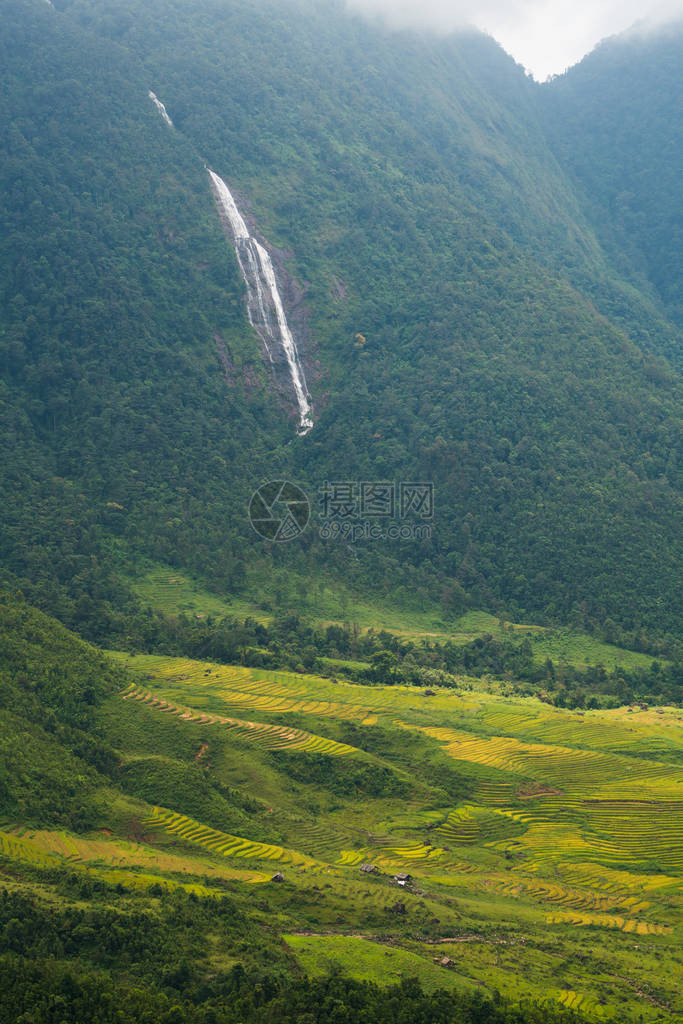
116, 282
610, 120
462, 315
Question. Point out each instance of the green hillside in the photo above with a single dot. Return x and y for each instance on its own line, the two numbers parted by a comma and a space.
610, 121
543, 845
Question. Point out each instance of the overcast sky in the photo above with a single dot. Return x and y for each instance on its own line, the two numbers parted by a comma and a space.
546, 36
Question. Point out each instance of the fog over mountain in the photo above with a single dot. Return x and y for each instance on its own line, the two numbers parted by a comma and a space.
546, 36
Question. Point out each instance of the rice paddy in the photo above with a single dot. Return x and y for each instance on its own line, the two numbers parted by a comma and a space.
115, 860
545, 805
533, 835
270, 737
624, 924
575, 770
471, 824
226, 845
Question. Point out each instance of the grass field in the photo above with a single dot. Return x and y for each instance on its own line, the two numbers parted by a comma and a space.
173, 592
367, 961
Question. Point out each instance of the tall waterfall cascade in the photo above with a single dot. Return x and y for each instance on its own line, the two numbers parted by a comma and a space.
265, 308
161, 108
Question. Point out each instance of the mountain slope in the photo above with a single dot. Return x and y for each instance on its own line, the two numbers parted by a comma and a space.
614, 122
119, 296
460, 321
51, 756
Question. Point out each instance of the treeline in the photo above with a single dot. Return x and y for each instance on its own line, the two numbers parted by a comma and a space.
62, 679
382, 658
151, 965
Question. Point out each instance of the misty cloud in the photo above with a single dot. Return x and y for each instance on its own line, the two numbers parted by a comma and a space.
546, 36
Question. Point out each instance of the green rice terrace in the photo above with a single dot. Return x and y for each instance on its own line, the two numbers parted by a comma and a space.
464, 838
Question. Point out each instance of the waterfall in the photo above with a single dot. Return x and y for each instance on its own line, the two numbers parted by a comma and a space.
161, 108
264, 304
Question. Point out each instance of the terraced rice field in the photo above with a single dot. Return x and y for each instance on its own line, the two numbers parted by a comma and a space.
473, 824
534, 799
573, 770
270, 737
546, 891
172, 592
615, 833
608, 730
115, 860
624, 924
392, 858
579, 1001
611, 880
244, 688
275, 692
191, 831
642, 831
16, 847
321, 841
567, 822
545, 845
414, 820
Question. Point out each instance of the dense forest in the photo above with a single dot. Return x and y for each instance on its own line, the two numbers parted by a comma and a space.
379, 657
468, 319
610, 120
